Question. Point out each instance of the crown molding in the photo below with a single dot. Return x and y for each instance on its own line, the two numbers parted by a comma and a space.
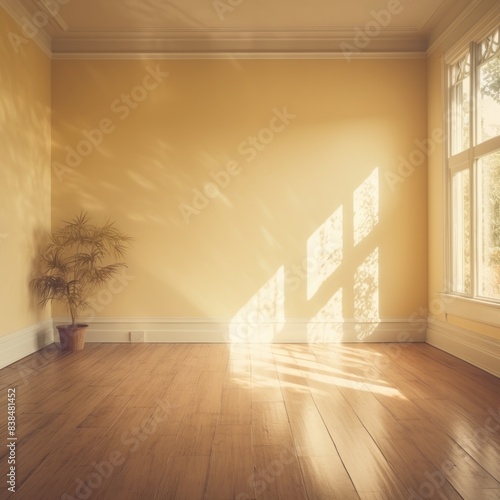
432, 12
239, 56
210, 44
60, 41
479, 16
21, 15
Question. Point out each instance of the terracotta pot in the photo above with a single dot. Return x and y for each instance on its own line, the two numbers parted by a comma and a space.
72, 337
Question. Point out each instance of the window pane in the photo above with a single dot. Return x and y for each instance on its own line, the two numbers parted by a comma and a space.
461, 236
460, 124
489, 226
460, 102
489, 99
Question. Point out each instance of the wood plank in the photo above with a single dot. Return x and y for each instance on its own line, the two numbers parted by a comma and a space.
325, 478
365, 463
208, 393
218, 421
196, 435
374, 416
270, 425
277, 474
335, 411
46, 434
184, 478
231, 466
134, 475
239, 367
484, 451
415, 471
64, 459
310, 436
174, 405
236, 406
450, 459
106, 412
265, 382
465, 474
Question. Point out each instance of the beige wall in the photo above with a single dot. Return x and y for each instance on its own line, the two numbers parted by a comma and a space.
330, 170
25, 167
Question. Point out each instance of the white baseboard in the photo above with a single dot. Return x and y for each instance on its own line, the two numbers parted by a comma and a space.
189, 330
479, 350
24, 342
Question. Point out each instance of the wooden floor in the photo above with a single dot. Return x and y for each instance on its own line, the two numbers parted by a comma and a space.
143, 421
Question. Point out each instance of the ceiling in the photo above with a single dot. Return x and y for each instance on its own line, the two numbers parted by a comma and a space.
339, 27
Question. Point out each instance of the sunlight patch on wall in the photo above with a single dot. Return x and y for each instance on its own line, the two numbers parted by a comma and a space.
366, 207
366, 295
263, 315
324, 251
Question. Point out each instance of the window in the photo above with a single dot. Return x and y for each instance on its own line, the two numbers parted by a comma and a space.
473, 170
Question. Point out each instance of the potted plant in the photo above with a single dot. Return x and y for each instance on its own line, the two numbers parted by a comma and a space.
78, 260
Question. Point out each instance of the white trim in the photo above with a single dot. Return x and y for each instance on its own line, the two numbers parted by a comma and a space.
17, 12
453, 36
291, 43
427, 19
478, 31
208, 42
479, 350
487, 147
24, 342
194, 330
461, 162
481, 311
446, 176
239, 55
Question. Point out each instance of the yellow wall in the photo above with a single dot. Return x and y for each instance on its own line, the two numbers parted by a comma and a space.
436, 187
25, 170
353, 126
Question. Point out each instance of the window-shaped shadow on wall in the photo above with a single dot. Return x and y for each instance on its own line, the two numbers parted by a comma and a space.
329, 249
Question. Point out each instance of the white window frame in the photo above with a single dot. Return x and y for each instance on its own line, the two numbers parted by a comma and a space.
471, 306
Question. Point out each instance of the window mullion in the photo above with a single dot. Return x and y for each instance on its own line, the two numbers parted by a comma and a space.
472, 173
473, 116
448, 285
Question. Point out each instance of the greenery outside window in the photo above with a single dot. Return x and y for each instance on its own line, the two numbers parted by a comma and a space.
473, 171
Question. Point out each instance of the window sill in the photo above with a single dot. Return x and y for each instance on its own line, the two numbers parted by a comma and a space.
472, 309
